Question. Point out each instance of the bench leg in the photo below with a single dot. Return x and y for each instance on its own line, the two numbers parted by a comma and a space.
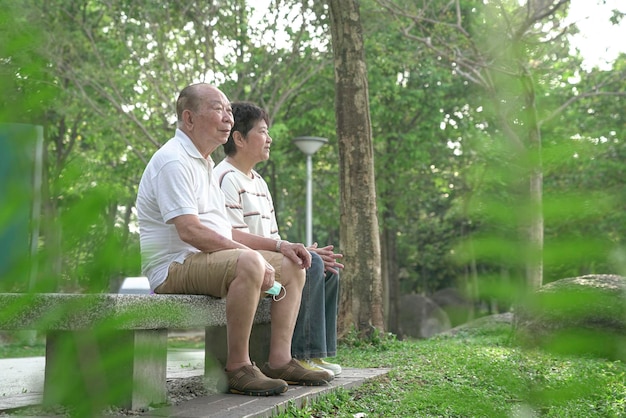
215, 348
216, 351
89, 370
150, 368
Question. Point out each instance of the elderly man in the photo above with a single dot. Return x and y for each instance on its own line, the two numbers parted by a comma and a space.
188, 246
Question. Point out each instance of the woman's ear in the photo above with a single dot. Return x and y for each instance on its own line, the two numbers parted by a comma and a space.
238, 139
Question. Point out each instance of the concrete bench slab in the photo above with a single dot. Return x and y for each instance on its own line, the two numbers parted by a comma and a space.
111, 349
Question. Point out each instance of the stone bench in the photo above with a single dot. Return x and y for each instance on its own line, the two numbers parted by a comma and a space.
116, 344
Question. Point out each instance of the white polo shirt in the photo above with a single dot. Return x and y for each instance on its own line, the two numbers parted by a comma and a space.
177, 181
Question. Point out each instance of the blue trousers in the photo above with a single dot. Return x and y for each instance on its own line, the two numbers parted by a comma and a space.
315, 334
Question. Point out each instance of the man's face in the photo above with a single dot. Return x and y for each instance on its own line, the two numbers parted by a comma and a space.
213, 121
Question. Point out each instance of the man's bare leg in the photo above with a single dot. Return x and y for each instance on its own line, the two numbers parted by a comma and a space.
285, 313
241, 305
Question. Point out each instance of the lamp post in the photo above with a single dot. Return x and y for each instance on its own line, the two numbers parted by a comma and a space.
309, 145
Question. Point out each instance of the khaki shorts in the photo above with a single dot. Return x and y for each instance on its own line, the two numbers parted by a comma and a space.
210, 273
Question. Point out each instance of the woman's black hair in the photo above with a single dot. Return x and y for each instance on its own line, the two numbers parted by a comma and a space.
246, 115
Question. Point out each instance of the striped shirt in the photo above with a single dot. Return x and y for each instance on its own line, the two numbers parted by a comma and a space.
249, 203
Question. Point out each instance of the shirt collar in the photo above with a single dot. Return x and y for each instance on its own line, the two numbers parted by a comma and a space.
184, 140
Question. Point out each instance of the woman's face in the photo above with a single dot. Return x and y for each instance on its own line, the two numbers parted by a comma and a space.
257, 142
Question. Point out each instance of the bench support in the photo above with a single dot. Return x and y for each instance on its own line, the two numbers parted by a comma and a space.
129, 366
215, 352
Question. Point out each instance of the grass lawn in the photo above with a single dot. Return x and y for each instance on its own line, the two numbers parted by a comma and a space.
478, 372
21, 344
475, 373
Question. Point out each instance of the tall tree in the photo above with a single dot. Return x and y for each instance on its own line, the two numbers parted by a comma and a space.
417, 180
585, 233
361, 299
507, 48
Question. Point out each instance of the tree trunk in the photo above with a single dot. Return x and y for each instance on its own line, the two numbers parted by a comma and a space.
51, 264
389, 251
361, 298
471, 271
391, 282
534, 266
534, 273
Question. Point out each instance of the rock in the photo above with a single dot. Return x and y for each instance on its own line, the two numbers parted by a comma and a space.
479, 325
420, 317
456, 305
579, 315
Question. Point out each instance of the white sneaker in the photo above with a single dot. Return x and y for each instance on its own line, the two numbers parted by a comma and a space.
308, 364
321, 363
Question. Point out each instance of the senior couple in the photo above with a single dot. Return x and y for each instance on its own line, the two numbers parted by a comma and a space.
212, 230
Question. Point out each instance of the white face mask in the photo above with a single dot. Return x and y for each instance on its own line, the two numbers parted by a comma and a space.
275, 291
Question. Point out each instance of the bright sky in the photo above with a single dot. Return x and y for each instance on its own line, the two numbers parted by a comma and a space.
599, 42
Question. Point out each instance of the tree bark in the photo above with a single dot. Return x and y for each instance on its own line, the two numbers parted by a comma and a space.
534, 267
361, 298
391, 281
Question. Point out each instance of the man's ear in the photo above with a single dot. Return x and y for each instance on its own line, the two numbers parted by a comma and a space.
187, 118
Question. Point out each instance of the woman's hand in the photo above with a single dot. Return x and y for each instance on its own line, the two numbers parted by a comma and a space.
329, 257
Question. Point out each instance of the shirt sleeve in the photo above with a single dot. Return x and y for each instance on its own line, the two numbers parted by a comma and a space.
174, 191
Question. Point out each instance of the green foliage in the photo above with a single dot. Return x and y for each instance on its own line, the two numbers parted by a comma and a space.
310, 113
26, 88
417, 169
115, 70
104, 80
583, 187
26, 93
